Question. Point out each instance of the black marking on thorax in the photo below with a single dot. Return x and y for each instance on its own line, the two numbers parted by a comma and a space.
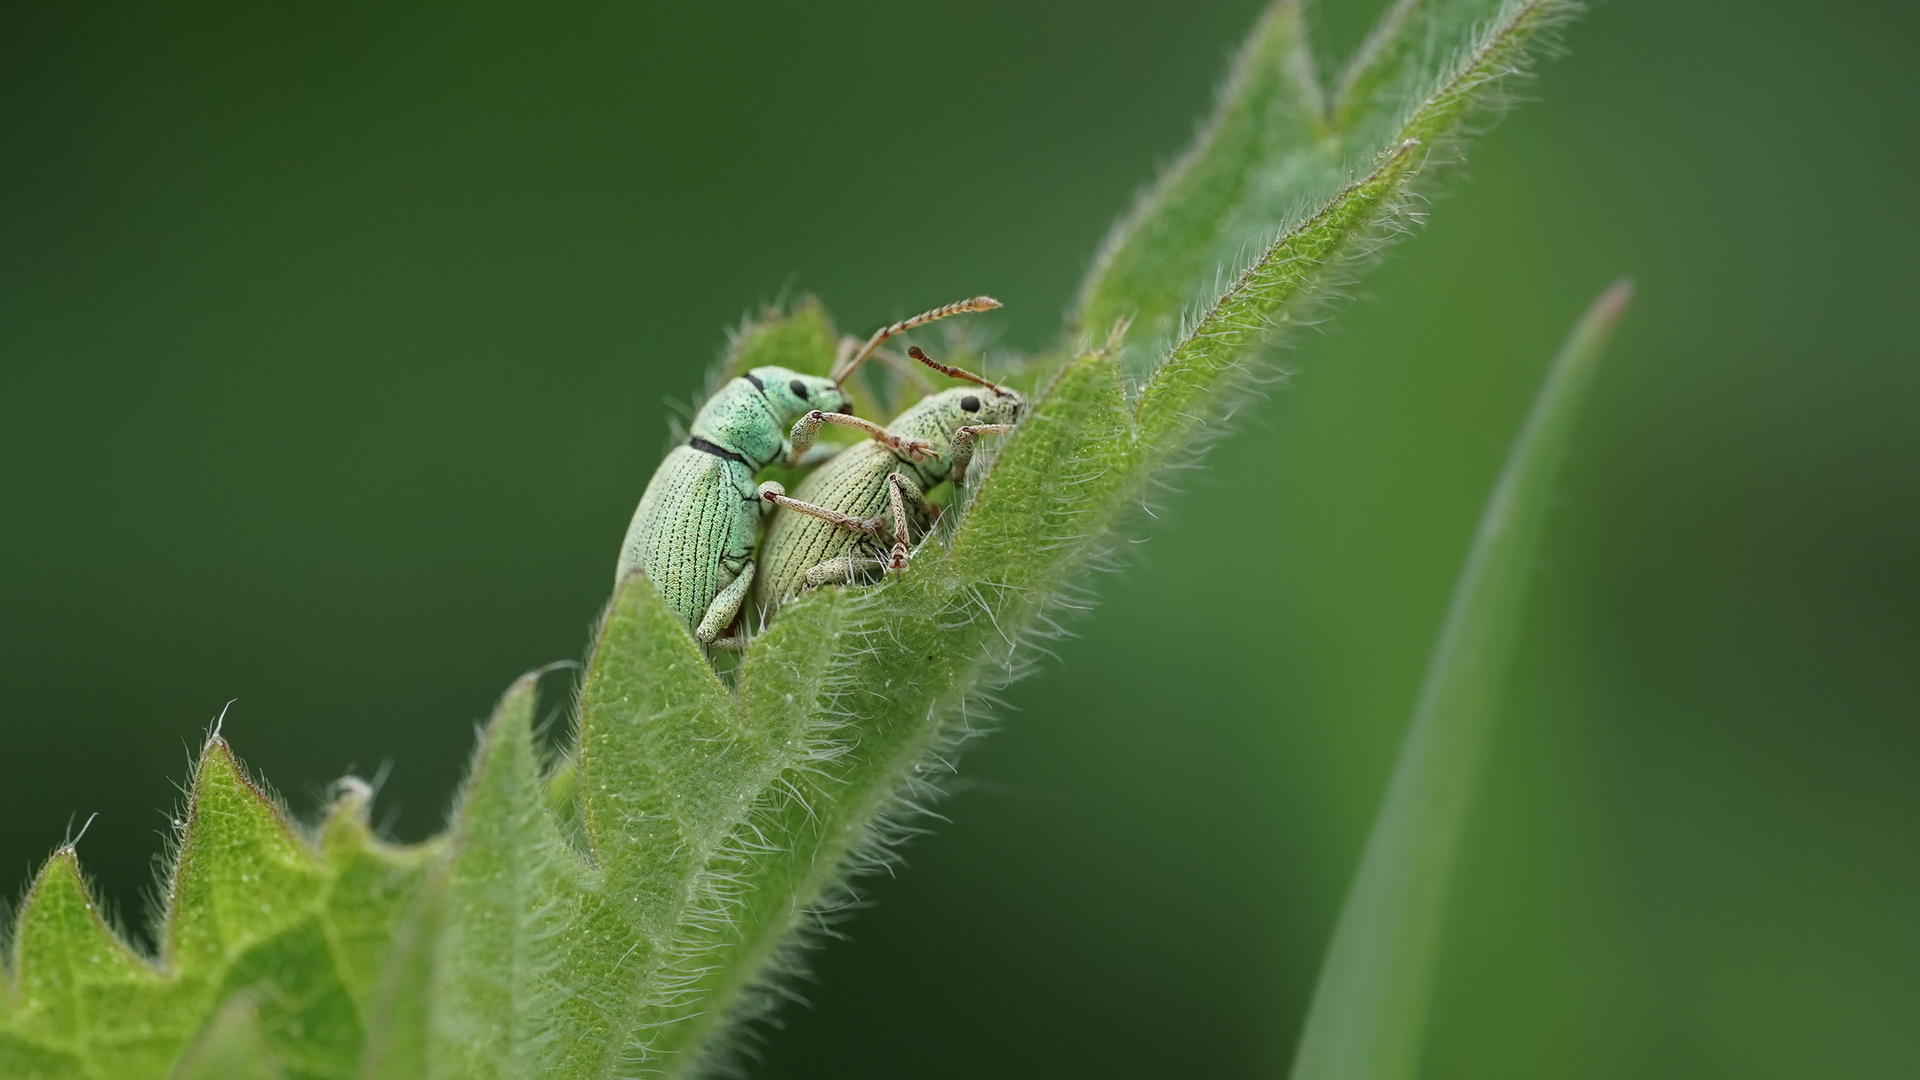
706, 447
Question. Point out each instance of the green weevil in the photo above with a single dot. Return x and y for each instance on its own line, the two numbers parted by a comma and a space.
694, 532
855, 517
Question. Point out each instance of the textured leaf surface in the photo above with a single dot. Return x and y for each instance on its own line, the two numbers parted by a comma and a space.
1369, 1010
618, 912
1279, 146
78, 993
509, 885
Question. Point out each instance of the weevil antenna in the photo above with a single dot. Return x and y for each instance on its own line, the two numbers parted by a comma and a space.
950, 370
958, 307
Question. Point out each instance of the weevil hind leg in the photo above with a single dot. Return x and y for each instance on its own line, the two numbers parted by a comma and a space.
720, 614
845, 570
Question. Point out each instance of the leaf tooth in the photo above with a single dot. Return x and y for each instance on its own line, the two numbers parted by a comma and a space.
78, 988
374, 888
241, 874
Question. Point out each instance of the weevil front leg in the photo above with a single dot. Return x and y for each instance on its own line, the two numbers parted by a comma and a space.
720, 613
808, 429
777, 495
901, 491
962, 453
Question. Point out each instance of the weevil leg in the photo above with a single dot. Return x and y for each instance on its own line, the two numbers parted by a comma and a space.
774, 494
917, 498
897, 487
962, 453
807, 429
800, 439
845, 570
720, 613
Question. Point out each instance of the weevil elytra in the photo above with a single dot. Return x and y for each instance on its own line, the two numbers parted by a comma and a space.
694, 531
855, 516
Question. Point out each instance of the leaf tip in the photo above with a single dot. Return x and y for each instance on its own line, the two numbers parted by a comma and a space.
1611, 307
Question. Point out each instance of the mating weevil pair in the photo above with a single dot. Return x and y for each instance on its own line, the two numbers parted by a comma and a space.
855, 516
694, 532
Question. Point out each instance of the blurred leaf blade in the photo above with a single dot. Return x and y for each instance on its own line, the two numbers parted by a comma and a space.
1368, 1017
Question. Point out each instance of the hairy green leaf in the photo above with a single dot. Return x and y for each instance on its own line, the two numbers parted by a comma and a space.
254, 910
79, 995
1279, 146
1369, 1011
509, 882
1266, 151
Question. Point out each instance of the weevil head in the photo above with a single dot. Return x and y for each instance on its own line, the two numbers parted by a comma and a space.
939, 416
752, 414
983, 406
791, 395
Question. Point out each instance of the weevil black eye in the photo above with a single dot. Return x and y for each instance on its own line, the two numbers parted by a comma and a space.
970, 403
799, 389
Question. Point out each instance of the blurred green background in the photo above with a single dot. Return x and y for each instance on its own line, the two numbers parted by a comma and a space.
333, 346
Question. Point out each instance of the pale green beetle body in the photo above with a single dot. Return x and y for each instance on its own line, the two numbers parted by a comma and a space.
803, 550
693, 534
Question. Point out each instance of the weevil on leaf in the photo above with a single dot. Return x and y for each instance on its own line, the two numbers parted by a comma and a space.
694, 531
855, 517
